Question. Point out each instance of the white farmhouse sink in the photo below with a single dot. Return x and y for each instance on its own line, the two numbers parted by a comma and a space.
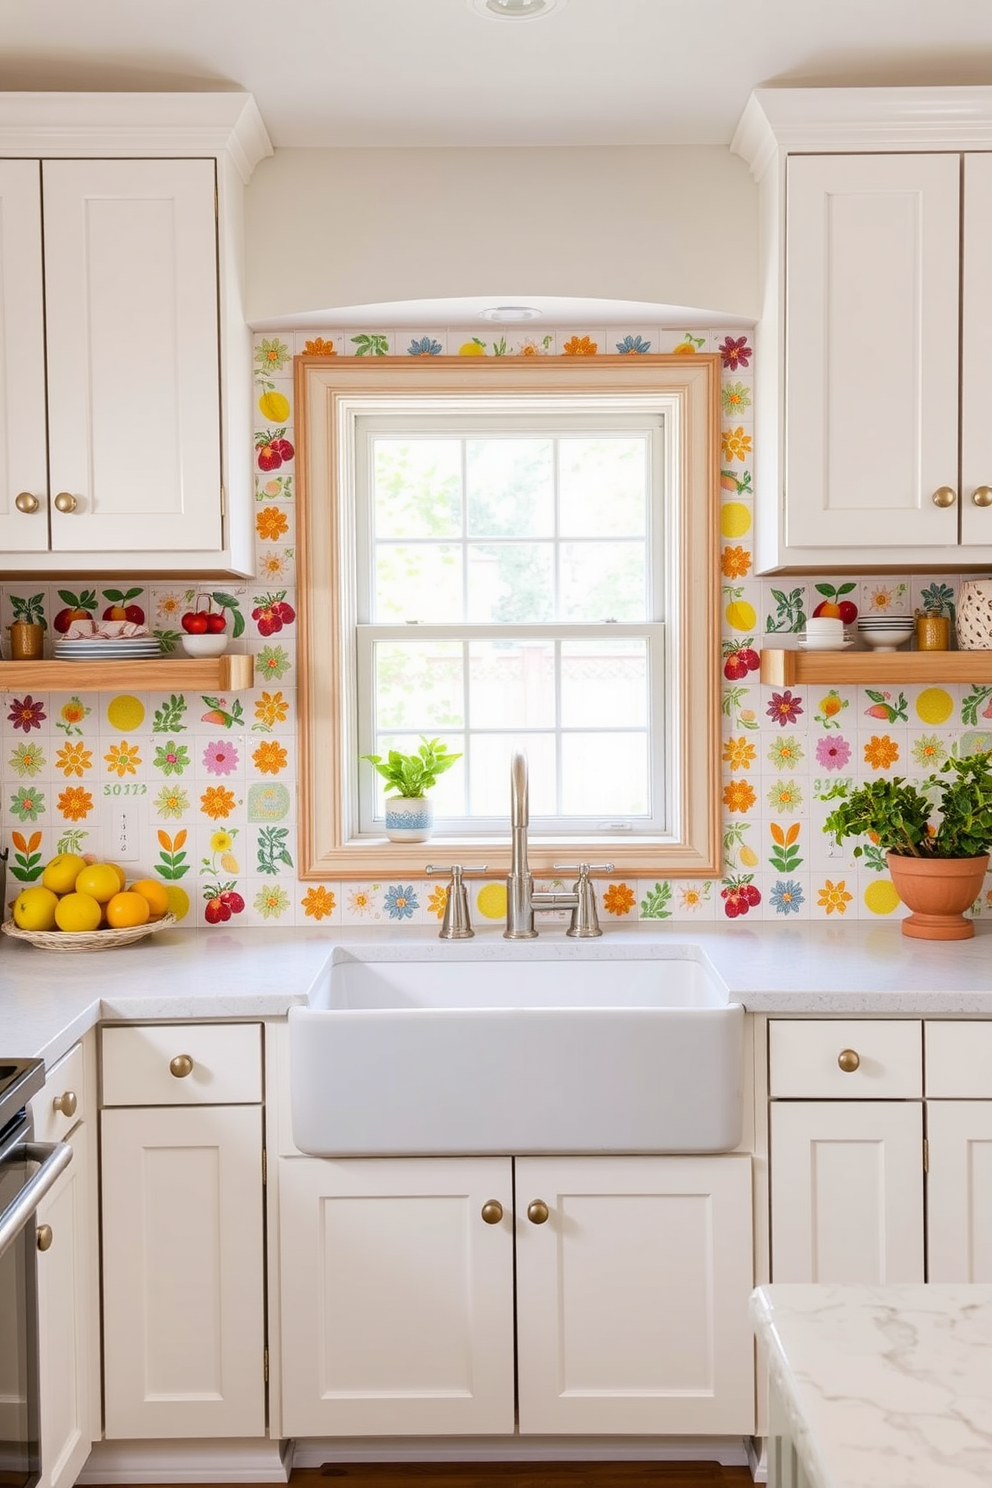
516, 1049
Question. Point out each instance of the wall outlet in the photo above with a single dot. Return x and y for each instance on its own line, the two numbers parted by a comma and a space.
124, 833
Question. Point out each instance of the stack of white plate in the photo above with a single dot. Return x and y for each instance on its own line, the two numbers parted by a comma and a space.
134, 648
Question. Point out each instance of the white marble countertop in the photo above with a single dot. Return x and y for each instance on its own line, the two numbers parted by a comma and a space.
48, 1000
882, 1386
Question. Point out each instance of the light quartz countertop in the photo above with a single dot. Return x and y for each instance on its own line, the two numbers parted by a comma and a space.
881, 1386
49, 999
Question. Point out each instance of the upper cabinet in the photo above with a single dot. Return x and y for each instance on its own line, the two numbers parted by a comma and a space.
125, 362
874, 445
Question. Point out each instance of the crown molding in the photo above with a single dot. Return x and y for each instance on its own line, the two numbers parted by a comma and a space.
81, 125
793, 120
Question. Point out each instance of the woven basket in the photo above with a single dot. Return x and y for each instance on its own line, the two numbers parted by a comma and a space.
86, 940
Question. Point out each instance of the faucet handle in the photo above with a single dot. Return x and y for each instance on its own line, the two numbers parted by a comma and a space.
583, 869
457, 922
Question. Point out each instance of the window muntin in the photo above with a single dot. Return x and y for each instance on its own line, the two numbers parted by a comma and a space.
332, 397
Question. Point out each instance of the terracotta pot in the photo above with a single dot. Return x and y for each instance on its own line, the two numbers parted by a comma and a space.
938, 891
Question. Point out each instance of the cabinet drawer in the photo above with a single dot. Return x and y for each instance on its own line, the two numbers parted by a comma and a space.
144, 1066
804, 1059
64, 1084
959, 1060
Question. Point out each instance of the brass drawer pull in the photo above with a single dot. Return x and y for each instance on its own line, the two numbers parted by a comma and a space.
44, 1236
66, 1103
848, 1060
181, 1066
538, 1211
492, 1211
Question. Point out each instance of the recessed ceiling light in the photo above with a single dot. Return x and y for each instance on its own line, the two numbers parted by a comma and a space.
511, 312
516, 10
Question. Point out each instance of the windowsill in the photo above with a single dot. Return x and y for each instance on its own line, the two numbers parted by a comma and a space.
378, 857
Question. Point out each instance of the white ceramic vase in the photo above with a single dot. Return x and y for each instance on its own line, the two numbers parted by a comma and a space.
409, 818
974, 615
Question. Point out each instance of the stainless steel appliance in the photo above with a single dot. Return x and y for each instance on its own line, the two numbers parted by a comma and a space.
27, 1171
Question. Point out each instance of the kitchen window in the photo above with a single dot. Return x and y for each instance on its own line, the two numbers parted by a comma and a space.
507, 556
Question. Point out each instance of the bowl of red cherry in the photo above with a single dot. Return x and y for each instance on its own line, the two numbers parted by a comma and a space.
205, 632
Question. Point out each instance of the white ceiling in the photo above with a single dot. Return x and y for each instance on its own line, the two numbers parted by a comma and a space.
433, 72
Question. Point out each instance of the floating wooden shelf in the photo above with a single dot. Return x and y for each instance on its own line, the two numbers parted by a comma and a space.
227, 673
786, 668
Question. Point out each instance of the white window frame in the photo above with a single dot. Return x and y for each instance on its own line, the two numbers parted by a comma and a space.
330, 397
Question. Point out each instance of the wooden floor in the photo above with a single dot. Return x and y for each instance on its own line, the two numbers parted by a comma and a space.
519, 1475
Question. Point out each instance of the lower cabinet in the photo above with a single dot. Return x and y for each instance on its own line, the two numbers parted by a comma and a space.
68, 1341
880, 1137
183, 1269
414, 1292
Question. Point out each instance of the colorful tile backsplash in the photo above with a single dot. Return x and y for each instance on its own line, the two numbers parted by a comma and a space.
210, 781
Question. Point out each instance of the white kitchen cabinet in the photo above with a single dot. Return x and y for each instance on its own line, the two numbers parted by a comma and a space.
846, 1150
959, 1146
183, 1266
120, 301
68, 1276
873, 444
632, 1279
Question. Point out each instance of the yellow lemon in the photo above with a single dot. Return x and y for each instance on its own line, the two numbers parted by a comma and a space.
62, 871
34, 908
491, 901
934, 705
741, 615
125, 713
881, 897
749, 857
274, 407
78, 912
100, 880
178, 901
122, 876
126, 909
472, 348
156, 893
735, 519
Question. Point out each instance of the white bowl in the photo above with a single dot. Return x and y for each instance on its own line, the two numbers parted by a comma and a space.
880, 639
204, 645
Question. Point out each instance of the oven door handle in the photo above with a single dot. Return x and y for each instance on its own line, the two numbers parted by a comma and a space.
53, 1157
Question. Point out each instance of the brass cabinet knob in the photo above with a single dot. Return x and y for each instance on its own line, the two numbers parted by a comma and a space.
181, 1066
65, 502
943, 496
982, 496
45, 1237
66, 1103
848, 1060
538, 1211
26, 502
492, 1211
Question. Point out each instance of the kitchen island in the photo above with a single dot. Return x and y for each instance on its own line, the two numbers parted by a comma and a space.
878, 1386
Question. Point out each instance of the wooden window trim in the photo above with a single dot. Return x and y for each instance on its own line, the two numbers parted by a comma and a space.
325, 390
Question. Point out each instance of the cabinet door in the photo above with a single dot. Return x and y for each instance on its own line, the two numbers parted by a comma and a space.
632, 1296
847, 1191
396, 1296
976, 373
23, 448
959, 1191
132, 328
68, 1351
183, 1278
871, 351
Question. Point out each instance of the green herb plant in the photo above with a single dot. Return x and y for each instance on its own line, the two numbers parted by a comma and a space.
933, 818
413, 775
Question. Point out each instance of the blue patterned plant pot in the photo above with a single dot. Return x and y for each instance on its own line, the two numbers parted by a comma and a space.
409, 818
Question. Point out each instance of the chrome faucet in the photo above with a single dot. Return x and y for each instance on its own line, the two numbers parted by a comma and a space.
521, 899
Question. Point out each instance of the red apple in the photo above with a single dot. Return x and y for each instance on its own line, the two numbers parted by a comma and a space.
848, 611
827, 608
194, 622
216, 624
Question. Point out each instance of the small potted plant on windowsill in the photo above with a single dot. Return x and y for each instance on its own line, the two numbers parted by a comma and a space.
936, 835
410, 812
